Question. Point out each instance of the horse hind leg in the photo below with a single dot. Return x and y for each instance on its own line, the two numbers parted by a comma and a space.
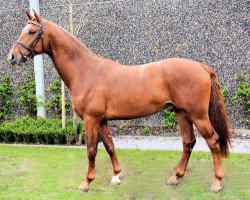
207, 131
188, 140
109, 146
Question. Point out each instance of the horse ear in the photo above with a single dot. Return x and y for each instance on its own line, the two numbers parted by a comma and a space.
28, 15
37, 16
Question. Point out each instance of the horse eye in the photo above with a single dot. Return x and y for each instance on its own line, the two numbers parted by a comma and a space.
32, 32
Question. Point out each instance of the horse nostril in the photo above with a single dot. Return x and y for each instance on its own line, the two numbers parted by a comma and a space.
12, 57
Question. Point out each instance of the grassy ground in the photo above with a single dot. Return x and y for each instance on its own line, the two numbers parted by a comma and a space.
54, 173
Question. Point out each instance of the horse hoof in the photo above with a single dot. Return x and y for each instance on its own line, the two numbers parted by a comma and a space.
81, 188
115, 180
215, 189
172, 181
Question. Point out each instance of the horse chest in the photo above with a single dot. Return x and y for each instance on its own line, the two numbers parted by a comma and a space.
87, 105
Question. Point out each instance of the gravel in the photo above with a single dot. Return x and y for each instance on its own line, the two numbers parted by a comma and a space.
161, 131
239, 145
171, 143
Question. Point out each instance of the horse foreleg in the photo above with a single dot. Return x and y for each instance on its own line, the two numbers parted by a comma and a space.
109, 145
92, 127
207, 131
188, 140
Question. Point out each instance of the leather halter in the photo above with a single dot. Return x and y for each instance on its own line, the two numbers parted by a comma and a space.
31, 48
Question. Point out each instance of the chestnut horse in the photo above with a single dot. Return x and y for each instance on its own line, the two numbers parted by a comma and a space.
103, 90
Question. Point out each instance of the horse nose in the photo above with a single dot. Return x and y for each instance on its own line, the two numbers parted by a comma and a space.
12, 58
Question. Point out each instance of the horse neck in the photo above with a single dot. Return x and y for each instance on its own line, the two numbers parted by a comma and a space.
71, 58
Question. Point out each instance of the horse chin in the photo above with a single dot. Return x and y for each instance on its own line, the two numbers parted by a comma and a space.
13, 63
21, 63
18, 63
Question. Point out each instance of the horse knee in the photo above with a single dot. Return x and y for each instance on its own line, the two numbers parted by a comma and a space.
92, 151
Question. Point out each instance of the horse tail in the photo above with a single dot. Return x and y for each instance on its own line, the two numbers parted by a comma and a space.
218, 114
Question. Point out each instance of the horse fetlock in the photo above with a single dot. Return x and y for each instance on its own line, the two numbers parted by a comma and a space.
180, 171
90, 178
219, 175
117, 170
180, 174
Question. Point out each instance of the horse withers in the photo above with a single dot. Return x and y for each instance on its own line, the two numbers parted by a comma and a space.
103, 90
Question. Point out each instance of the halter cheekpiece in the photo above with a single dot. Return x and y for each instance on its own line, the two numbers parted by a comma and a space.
31, 48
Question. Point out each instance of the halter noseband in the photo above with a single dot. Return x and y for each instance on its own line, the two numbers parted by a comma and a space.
31, 48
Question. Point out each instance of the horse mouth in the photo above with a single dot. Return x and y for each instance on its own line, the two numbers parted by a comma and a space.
14, 63
16, 60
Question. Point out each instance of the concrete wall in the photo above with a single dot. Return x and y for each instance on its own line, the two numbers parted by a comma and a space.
215, 32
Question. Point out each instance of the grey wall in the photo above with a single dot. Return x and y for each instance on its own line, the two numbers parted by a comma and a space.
215, 32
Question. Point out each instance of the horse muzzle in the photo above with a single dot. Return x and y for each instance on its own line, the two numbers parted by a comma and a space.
12, 58
16, 58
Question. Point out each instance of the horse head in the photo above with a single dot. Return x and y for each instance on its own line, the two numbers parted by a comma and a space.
30, 42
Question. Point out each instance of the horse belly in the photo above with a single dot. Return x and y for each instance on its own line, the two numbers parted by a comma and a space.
140, 93
136, 107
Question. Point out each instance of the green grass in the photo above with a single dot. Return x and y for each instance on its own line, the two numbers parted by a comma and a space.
55, 173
